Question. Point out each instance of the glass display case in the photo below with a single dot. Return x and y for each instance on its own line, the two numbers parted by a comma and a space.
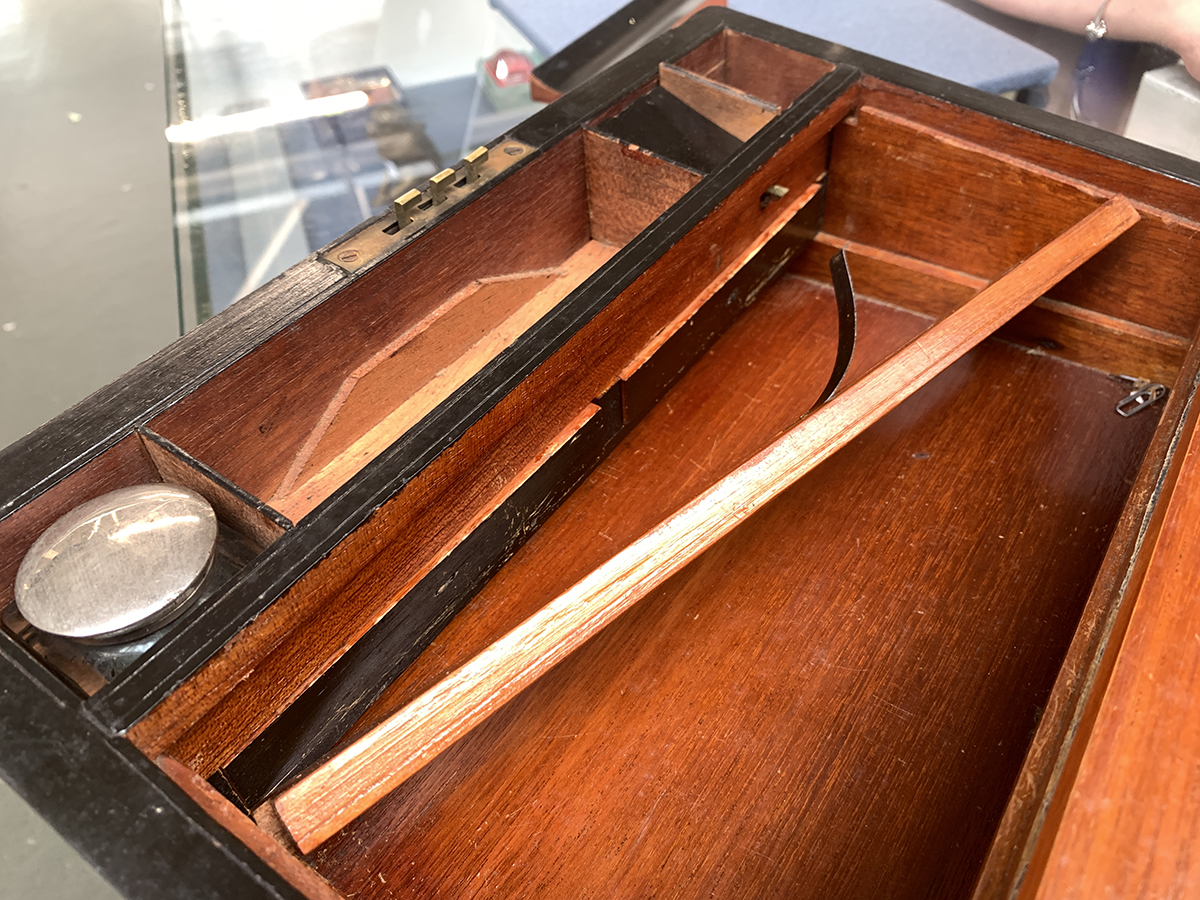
291, 123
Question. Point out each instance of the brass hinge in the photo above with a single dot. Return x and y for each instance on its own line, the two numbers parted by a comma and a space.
414, 209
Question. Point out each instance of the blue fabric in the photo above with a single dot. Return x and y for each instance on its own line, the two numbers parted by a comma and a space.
925, 34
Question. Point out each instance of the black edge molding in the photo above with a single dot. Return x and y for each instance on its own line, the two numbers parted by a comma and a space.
127, 818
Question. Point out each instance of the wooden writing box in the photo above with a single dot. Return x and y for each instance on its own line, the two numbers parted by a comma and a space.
881, 685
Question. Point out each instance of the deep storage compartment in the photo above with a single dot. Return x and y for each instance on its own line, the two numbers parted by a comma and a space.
838, 697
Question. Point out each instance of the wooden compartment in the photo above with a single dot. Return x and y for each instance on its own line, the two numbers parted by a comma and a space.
262, 671
304, 413
878, 685
837, 699
247, 527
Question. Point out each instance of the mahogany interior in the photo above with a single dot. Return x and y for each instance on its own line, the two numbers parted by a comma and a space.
809, 707
214, 715
321, 409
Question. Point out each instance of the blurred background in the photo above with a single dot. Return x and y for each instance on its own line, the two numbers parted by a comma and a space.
161, 160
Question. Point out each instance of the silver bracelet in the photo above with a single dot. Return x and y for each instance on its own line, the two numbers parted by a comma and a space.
1097, 28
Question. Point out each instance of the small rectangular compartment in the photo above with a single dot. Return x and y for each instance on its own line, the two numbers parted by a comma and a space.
246, 527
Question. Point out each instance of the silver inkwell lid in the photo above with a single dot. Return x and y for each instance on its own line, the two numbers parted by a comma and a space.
120, 566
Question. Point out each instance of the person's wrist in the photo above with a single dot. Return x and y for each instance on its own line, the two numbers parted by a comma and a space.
1172, 23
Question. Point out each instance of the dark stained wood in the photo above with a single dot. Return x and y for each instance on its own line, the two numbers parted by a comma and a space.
850, 796
122, 465
628, 188
311, 726
735, 111
806, 687
666, 126
217, 712
348, 784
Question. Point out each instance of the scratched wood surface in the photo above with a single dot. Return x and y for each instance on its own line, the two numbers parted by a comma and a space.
341, 788
810, 709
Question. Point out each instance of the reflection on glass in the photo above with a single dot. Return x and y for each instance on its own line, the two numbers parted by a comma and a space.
291, 122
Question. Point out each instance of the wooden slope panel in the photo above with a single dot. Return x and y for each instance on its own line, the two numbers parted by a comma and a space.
403, 382
810, 709
252, 420
1150, 275
214, 715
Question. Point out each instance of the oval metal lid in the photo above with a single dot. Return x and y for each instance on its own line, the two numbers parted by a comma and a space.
119, 564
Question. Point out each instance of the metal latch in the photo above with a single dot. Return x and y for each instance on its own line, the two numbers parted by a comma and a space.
1143, 393
415, 209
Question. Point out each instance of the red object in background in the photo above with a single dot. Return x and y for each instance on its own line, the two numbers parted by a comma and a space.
509, 68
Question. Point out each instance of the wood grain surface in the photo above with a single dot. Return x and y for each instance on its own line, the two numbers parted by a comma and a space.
251, 420
835, 700
340, 789
735, 111
1130, 825
274, 854
1155, 259
767, 71
406, 380
628, 188
1061, 329
242, 689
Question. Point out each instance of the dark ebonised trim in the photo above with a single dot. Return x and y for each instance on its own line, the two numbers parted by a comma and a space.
606, 42
127, 819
